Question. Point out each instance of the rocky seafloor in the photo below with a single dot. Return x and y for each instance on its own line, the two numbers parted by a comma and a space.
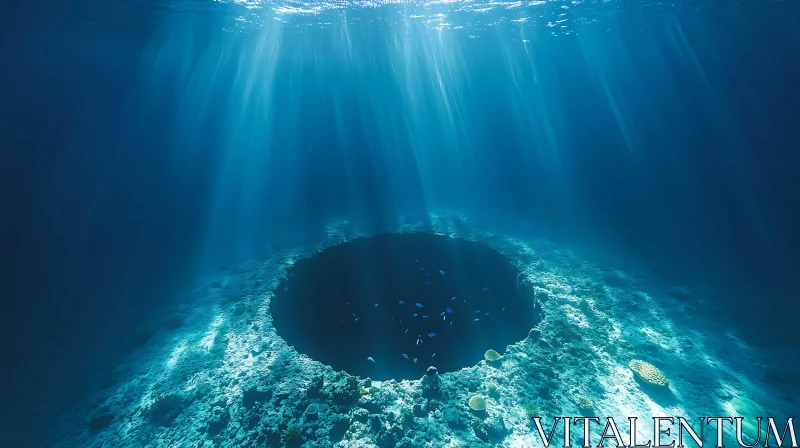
213, 372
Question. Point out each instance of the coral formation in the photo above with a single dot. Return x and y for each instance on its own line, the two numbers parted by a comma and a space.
477, 403
492, 355
648, 373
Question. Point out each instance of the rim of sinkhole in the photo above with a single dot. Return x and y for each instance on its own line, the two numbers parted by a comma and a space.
389, 306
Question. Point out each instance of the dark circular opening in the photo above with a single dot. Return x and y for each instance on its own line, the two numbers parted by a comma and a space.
438, 300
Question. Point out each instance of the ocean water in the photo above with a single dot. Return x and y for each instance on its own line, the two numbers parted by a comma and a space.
212, 210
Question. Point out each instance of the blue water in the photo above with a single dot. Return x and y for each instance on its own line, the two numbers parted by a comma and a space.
145, 143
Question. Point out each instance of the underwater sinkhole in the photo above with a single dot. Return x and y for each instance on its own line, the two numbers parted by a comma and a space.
438, 300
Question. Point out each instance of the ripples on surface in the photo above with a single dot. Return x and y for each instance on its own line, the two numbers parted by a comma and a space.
559, 17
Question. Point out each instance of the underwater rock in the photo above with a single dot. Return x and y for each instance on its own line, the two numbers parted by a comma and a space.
534, 334
390, 437
101, 421
648, 373
495, 428
165, 409
255, 395
218, 421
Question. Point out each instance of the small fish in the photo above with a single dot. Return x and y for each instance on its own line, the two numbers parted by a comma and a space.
477, 311
406, 331
475, 320
434, 354
369, 358
444, 317
414, 315
417, 341
449, 310
451, 323
401, 302
427, 274
504, 308
356, 320
485, 288
415, 360
453, 298
442, 313
354, 314
430, 335
486, 314
441, 271
424, 317
426, 283
421, 269
418, 305
392, 318
376, 304
405, 356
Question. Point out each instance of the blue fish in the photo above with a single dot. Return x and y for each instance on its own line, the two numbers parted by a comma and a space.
424, 316
485, 288
369, 358
405, 356
442, 313
376, 304
401, 302
441, 271
418, 305
504, 308
477, 311
486, 314
434, 354
356, 320
421, 269
427, 274
426, 283
405, 331
449, 310
414, 315
430, 335
475, 320
415, 360
453, 298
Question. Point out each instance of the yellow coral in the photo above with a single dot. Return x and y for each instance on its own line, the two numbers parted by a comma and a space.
477, 403
492, 355
584, 403
648, 373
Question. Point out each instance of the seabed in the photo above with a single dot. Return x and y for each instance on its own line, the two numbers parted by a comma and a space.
213, 371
